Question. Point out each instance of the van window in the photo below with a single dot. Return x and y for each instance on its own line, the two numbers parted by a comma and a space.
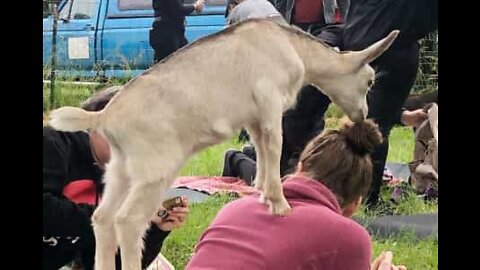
80, 9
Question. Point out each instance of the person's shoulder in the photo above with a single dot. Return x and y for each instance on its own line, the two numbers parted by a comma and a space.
243, 201
353, 232
346, 229
355, 245
240, 206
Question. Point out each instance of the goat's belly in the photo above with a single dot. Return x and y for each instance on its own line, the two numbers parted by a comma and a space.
218, 131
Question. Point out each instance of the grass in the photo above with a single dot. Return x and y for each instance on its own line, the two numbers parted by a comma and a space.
179, 246
401, 145
409, 252
66, 95
210, 161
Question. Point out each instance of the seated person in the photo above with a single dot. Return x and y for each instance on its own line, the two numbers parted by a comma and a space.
73, 165
333, 174
242, 164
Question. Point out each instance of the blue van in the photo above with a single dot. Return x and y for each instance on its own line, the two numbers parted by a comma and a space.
111, 37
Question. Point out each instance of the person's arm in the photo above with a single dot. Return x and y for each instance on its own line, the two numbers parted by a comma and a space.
153, 244
180, 9
411, 118
66, 225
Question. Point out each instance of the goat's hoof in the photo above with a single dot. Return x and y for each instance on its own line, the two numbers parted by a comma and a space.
262, 199
279, 207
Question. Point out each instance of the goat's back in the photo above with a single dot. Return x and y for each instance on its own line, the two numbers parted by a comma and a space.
206, 89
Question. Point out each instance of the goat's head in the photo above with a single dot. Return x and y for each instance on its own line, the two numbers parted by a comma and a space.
349, 85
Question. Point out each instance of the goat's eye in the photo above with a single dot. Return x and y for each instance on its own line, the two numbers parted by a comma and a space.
370, 83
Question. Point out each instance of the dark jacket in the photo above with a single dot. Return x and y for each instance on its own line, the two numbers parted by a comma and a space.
174, 10
71, 187
371, 20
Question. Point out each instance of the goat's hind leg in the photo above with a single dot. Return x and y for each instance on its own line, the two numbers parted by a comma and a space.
256, 136
273, 190
141, 205
103, 218
271, 139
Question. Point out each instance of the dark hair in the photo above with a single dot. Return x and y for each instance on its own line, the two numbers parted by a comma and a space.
100, 99
340, 159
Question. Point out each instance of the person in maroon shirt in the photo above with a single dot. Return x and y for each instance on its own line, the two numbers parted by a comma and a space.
333, 174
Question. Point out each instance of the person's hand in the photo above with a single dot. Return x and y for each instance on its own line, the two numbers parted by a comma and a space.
414, 118
199, 5
384, 262
175, 218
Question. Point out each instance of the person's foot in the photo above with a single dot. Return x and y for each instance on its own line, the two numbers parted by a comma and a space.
228, 169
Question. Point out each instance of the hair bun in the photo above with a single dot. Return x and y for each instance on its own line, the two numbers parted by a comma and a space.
362, 137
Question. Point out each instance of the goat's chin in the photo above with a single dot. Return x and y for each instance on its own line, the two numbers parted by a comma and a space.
358, 116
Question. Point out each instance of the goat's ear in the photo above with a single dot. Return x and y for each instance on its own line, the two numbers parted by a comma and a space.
371, 53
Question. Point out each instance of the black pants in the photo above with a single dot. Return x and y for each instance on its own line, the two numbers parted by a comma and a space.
166, 38
396, 71
305, 120
300, 124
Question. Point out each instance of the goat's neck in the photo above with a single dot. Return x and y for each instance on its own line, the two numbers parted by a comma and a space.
319, 60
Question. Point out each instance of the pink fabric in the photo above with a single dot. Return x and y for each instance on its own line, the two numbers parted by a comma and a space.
213, 185
313, 236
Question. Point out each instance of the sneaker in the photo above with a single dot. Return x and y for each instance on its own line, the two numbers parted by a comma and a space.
228, 169
249, 151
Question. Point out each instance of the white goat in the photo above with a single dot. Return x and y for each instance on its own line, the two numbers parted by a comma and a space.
246, 75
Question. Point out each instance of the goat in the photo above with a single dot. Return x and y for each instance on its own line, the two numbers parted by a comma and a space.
245, 75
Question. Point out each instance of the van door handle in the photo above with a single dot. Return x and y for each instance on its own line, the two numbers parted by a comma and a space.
89, 26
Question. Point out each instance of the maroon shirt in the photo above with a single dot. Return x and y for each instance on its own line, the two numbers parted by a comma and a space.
308, 11
314, 235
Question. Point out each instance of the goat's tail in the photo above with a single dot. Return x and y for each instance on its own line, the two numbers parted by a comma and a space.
74, 119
